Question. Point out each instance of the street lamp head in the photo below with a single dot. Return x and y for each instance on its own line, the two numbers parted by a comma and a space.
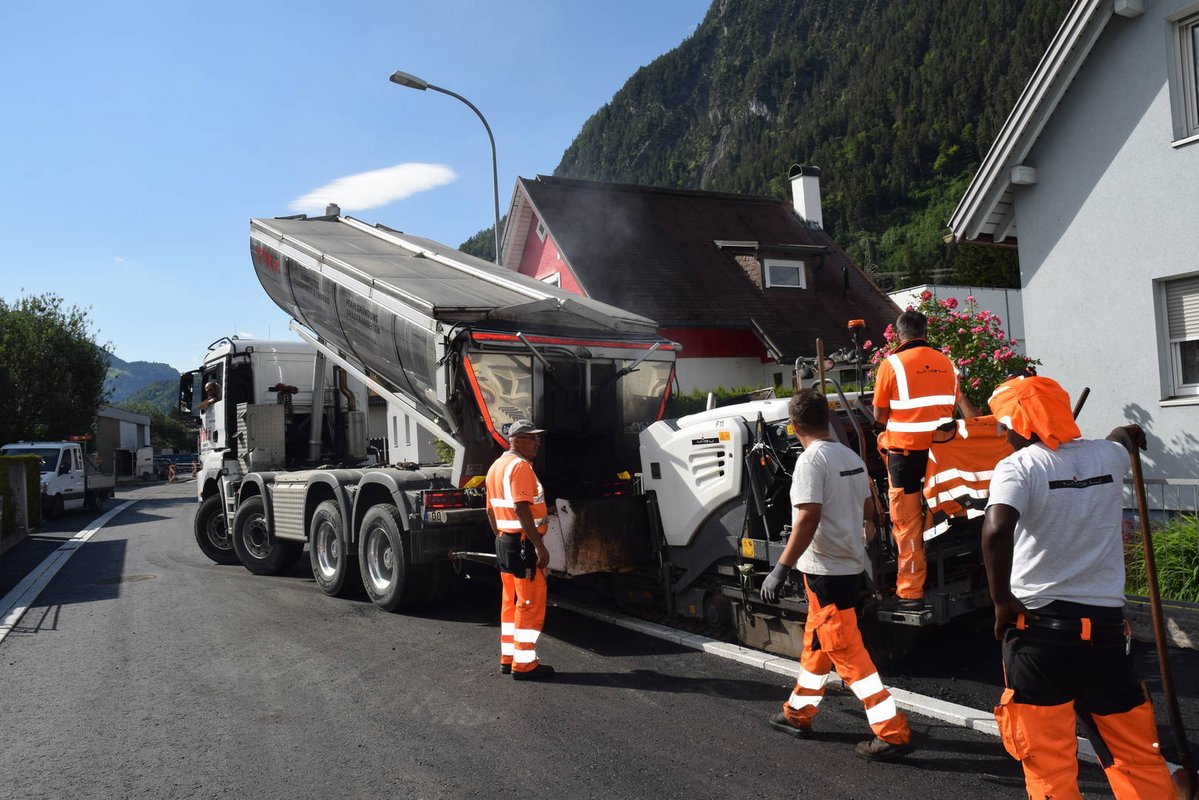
411, 81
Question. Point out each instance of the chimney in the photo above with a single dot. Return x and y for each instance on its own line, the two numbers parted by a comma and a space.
334, 210
805, 193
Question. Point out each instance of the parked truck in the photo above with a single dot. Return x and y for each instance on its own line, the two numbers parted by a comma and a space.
685, 515
70, 478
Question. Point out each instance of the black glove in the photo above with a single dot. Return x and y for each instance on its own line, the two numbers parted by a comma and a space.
772, 587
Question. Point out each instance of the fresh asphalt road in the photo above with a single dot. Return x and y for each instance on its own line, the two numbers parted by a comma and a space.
143, 670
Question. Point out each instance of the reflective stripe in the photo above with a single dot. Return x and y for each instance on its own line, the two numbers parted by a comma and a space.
502, 503
916, 427
865, 687
507, 649
947, 475
881, 712
937, 530
799, 701
955, 493
810, 680
508, 524
901, 377
526, 635
507, 628
524, 656
924, 402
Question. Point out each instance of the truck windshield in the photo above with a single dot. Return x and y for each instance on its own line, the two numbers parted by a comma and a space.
48, 455
641, 393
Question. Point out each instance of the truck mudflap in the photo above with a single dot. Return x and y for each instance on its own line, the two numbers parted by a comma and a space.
598, 534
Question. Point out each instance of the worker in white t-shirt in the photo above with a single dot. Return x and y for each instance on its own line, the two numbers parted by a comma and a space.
834, 513
1055, 563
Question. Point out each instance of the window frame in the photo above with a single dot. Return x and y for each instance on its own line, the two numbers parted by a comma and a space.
1184, 73
1175, 387
769, 263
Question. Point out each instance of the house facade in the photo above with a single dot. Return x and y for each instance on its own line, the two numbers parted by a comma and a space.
1093, 178
745, 284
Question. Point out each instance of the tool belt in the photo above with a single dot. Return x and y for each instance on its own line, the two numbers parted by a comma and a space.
1082, 627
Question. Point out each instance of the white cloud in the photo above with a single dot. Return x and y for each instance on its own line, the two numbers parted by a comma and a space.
375, 188
118, 259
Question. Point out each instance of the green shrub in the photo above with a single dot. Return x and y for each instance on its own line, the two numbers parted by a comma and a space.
33, 492
1176, 556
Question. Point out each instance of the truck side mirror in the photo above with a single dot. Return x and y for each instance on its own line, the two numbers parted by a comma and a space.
187, 392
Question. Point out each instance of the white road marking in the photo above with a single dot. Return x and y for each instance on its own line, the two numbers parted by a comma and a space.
954, 714
18, 601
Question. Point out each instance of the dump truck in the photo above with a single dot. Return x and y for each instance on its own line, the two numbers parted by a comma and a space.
682, 515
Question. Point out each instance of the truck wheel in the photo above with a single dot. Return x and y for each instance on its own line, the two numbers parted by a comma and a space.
94, 501
212, 534
391, 580
334, 563
257, 550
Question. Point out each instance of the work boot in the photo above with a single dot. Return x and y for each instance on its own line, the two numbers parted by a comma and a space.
910, 604
780, 723
505, 669
541, 672
877, 750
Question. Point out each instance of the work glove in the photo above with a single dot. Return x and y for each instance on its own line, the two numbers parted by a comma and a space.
772, 587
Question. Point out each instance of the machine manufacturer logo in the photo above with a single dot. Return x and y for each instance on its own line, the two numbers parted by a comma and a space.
265, 256
706, 440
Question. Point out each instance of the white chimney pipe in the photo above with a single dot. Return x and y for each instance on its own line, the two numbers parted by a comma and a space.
805, 193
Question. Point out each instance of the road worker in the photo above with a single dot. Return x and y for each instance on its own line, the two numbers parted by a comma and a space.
833, 521
915, 392
1055, 563
517, 511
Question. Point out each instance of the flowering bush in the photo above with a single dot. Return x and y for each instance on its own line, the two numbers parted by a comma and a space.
974, 338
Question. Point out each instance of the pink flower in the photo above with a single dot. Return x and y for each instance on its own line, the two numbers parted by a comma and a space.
965, 362
977, 329
975, 383
950, 302
961, 330
945, 350
1013, 341
866, 345
970, 299
926, 295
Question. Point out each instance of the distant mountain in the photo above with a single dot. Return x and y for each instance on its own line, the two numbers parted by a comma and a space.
128, 379
163, 395
896, 100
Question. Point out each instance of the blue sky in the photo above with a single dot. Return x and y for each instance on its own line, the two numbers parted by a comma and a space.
140, 137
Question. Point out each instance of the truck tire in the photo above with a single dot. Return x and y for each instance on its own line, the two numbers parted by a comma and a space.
391, 580
212, 534
95, 500
334, 562
257, 550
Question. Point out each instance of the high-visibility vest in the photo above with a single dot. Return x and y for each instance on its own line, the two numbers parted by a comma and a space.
921, 390
511, 480
958, 479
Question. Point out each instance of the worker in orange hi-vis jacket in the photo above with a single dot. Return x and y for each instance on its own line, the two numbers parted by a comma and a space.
1055, 563
960, 463
915, 392
517, 511
833, 520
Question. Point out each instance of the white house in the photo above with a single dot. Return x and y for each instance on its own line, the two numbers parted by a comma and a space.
1094, 178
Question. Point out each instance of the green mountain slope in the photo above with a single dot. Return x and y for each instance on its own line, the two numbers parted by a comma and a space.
127, 378
896, 101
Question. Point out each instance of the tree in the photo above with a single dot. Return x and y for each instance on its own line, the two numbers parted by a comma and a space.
972, 337
52, 370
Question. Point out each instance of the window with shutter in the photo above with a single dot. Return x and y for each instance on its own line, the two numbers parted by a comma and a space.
1183, 74
1182, 323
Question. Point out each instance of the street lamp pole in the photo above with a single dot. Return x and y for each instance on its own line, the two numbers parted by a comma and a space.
413, 82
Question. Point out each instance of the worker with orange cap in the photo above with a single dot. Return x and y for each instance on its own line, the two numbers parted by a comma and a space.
517, 511
1055, 563
915, 392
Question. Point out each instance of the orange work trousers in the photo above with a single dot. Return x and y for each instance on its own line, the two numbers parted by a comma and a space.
832, 639
522, 615
905, 473
1054, 677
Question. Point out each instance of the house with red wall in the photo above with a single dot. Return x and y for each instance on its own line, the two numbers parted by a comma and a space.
745, 284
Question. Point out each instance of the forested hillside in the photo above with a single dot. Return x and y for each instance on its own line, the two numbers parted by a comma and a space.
127, 378
897, 101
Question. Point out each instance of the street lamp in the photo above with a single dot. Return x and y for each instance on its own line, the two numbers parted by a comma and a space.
413, 82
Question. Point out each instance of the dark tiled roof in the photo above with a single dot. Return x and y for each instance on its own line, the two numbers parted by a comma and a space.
672, 255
